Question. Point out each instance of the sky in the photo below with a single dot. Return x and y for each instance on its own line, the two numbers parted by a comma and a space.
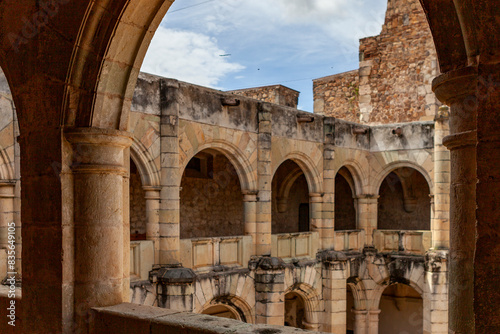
235, 44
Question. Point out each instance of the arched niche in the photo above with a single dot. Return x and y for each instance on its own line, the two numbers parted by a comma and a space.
345, 204
290, 199
404, 201
211, 199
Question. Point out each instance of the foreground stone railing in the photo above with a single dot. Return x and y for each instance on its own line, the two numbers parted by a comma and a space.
349, 240
295, 245
203, 253
141, 259
135, 319
417, 242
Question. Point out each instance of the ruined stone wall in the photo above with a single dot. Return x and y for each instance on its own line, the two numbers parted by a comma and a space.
338, 95
395, 74
212, 207
278, 94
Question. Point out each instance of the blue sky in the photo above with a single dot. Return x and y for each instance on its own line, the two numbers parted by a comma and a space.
234, 44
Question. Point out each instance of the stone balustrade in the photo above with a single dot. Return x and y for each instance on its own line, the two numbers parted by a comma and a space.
204, 253
295, 245
349, 240
417, 242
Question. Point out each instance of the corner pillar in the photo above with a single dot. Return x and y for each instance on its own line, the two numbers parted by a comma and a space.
457, 89
316, 214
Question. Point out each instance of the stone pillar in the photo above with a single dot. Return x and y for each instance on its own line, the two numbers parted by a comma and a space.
435, 295
269, 291
487, 254
265, 178
441, 208
250, 214
176, 288
327, 239
153, 219
98, 172
457, 89
360, 321
316, 213
373, 321
335, 291
7, 224
169, 213
368, 208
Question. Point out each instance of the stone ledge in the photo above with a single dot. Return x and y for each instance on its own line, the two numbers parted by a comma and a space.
131, 318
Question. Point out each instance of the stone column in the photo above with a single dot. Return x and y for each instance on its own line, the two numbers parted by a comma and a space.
269, 291
457, 89
373, 321
316, 213
7, 224
250, 213
265, 178
368, 208
335, 291
153, 218
360, 321
441, 218
169, 213
98, 171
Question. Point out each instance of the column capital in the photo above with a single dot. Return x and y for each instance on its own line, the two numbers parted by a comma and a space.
250, 195
455, 85
152, 192
98, 150
459, 140
7, 189
316, 197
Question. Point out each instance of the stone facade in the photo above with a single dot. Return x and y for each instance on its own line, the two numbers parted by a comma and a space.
303, 278
393, 83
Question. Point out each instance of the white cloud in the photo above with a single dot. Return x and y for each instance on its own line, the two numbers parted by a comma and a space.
188, 56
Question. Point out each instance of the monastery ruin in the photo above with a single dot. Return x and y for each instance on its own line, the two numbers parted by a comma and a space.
238, 205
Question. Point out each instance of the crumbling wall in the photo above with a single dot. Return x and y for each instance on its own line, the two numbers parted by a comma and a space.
395, 74
338, 96
277, 94
213, 206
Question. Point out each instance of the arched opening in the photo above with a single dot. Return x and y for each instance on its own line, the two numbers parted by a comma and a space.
295, 310
349, 312
137, 198
404, 202
345, 208
290, 199
222, 311
211, 200
401, 310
